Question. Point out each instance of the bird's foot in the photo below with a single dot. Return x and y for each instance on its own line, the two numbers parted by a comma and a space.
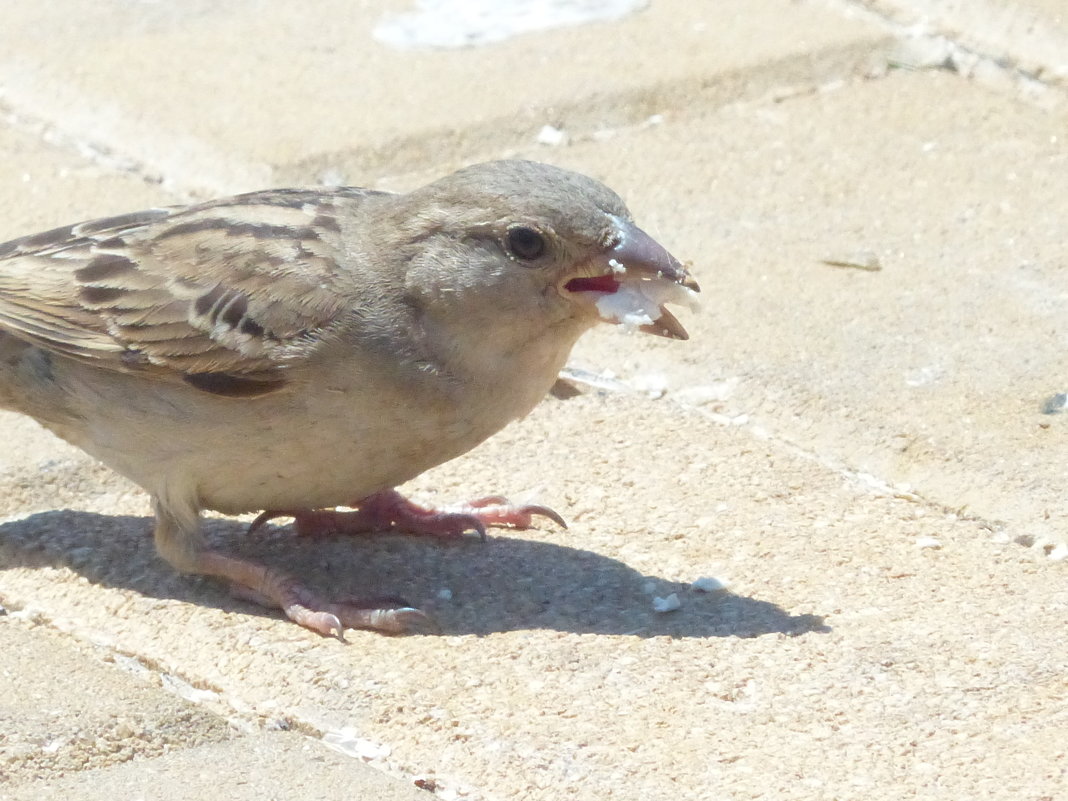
390, 510
273, 588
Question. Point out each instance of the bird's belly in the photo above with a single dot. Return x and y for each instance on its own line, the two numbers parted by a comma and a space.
315, 467
288, 450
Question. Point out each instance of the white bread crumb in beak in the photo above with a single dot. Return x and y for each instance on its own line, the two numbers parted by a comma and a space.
638, 303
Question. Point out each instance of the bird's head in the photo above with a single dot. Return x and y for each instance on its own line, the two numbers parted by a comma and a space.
544, 246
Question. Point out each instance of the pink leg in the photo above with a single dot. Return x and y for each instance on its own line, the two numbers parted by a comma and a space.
273, 588
389, 509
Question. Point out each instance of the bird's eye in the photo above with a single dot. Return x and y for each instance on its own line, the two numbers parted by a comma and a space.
526, 244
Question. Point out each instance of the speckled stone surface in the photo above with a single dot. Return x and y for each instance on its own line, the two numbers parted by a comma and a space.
857, 441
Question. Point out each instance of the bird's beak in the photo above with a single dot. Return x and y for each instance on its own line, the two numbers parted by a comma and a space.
632, 279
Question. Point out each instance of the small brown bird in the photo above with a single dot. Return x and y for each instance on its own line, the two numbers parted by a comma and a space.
295, 350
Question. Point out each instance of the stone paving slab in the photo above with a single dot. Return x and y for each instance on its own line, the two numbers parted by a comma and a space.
63, 710
876, 640
311, 94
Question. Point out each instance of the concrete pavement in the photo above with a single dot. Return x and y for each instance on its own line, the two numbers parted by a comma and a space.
861, 437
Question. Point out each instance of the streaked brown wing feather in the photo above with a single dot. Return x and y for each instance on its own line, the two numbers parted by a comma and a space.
237, 289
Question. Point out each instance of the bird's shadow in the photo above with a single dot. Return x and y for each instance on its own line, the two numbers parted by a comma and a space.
506, 584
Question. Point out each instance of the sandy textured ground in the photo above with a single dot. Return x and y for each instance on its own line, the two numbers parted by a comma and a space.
862, 439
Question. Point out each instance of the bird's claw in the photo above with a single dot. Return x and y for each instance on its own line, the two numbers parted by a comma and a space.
389, 509
498, 510
331, 619
545, 511
278, 589
267, 516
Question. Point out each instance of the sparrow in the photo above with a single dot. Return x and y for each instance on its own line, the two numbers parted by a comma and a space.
297, 350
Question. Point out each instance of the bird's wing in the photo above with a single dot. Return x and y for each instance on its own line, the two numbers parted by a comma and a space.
225, 295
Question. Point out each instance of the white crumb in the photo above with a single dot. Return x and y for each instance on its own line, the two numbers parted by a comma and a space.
928, 542
708, 584
637, 303
669, 604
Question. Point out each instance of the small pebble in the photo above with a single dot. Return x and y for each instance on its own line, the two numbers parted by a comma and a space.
1059, 552
922, 52
669, 604
1055, 404
444, 594
928, 542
